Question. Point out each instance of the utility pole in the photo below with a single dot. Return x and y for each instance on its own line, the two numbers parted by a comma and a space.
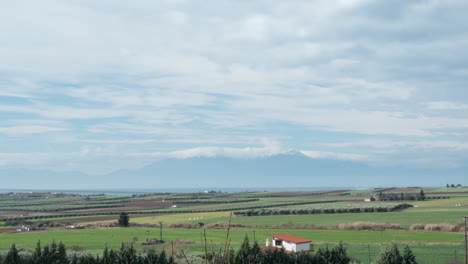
368, 249
160, 231
381, 239
466, 243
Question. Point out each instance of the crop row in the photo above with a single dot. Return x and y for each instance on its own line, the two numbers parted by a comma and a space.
218, 201
170, 211
69, 203
325, 209
39, 201
57, 207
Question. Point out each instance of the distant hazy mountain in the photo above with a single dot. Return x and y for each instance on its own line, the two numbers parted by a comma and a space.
23, 178
292, 169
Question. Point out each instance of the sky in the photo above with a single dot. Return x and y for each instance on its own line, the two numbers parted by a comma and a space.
98, 86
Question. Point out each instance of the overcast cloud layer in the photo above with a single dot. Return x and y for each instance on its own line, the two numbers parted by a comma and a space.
97, 86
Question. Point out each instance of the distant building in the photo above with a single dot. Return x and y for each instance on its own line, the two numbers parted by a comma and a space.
289, 242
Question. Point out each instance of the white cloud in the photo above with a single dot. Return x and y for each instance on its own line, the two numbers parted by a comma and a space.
333, 155
27, 130
179, 74
414, 144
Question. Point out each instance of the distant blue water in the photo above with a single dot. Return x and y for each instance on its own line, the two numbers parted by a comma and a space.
173, 190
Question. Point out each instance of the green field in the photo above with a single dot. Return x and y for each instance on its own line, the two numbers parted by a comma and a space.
175, 218
322, 229
404, 218
93, 240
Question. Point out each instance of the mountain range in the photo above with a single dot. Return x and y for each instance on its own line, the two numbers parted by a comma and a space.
292, 169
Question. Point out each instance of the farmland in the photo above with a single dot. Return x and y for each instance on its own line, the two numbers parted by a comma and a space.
288, 212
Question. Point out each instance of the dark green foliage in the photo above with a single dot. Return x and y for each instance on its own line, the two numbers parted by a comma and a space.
329, 208
45, 255
127, 255
390, 256
243, 254
12, 256
60, 255
36, 257
339, 255
123, 219
421, 196
162, 259
408, 256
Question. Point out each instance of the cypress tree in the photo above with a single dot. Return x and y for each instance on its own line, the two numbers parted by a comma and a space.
151, 256
113, 257
12, 256
422, 196
408, 256
324, 255
242, 255
53, 253
45, 258
390, 256
339, 255
123, 219
255, 254
105, 256
36, 257
162, 259
61, 254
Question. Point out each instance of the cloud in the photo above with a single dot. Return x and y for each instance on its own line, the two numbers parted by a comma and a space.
111, 158
414, 144
443, 105
333, 155
26, 130
160, 76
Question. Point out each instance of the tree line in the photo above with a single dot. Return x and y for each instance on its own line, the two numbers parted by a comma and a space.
421, 196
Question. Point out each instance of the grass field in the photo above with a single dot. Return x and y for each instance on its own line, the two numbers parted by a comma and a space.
175, 218
404, 218
429, 247
448, 203
94, 240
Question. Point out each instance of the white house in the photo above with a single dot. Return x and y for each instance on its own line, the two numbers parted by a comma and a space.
289, 243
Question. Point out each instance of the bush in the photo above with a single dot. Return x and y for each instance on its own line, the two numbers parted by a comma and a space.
368, 226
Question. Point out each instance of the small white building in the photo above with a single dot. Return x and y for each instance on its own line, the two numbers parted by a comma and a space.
290, 243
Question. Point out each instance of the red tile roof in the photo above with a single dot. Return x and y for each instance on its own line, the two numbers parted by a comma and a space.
291, 238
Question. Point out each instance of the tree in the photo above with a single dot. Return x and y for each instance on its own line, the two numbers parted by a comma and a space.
339, 255
36, 257
421, 196
243, 255
12, 256
390, 256
123, 219
448, 185
61, 254
408, 256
